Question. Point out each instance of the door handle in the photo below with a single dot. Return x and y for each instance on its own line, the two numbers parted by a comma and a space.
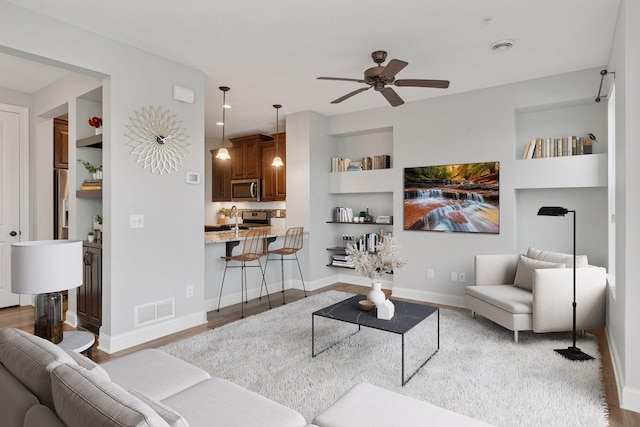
87, 258
253, 189
13, 234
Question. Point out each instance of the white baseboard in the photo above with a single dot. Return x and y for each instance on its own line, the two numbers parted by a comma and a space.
629, 397
424, 296
71, 319
111, 344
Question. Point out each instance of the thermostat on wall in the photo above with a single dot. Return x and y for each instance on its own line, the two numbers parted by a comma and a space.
192, 178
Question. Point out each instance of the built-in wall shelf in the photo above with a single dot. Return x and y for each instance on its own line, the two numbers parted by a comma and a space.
586, 171
94, 141
89, 194
370, 181
378, 224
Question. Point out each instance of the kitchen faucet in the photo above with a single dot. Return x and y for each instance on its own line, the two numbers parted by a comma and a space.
234, 208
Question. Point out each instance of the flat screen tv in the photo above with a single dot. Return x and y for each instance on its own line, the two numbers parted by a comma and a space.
453, 198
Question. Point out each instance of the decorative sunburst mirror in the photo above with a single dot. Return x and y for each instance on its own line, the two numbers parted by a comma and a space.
158, 140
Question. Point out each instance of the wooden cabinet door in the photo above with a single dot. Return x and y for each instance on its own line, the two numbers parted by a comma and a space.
238, 161
221, 178
245, 158
60, 144
274, 179
252, 160
90, 293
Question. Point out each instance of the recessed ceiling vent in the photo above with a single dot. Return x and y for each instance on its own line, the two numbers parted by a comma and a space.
502, 45
154, 312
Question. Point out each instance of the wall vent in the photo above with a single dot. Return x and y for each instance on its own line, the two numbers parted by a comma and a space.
154, 312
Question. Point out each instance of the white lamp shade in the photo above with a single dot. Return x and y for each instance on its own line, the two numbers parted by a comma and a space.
44, 266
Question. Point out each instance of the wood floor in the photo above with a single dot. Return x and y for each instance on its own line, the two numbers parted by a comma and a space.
22, 318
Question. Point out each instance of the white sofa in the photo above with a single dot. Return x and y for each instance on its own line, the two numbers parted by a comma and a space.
500, 292
43, 385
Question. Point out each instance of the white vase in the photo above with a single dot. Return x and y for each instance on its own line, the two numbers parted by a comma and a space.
98, 131
376, 295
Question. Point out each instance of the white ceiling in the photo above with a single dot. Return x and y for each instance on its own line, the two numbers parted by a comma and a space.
271, 52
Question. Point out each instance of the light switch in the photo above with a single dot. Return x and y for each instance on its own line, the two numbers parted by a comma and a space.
136, 221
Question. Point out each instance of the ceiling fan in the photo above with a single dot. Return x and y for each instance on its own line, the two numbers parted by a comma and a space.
380, 76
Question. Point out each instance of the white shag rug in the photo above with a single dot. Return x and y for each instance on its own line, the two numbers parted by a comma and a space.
479, 371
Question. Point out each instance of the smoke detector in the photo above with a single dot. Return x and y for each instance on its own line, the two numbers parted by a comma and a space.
502, 45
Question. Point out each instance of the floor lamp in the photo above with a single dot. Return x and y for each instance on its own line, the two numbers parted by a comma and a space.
573, 352
44, 268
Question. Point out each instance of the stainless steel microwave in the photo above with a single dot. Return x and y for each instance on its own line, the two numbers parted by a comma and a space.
245, 190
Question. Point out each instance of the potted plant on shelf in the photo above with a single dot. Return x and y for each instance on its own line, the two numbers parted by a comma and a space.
373, 265
96, 172
90, 236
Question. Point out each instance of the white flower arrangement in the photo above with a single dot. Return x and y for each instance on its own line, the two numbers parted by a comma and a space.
373, 264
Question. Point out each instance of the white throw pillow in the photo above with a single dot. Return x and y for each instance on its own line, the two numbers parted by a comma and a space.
566, 259
524, 272
172, 418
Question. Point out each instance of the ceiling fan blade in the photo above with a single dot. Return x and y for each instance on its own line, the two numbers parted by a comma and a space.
439, 84
341, 79
350, 94
394, 67
392, 96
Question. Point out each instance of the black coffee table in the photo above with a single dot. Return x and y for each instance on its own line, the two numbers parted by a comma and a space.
407, 315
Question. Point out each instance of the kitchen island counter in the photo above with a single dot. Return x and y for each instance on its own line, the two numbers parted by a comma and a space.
230, 235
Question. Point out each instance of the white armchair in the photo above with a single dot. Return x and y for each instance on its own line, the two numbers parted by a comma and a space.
547, 307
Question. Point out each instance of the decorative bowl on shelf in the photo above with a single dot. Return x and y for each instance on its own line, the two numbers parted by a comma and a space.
366, 305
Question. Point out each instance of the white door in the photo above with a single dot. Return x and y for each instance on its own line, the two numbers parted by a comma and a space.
10, 139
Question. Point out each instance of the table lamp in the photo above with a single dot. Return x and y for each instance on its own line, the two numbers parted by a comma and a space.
44, 268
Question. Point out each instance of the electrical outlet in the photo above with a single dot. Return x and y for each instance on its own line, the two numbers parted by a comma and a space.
189, 291
430, 273
462, 277
136, 221
454, 276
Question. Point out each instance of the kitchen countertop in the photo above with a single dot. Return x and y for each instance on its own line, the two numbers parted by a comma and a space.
230, 235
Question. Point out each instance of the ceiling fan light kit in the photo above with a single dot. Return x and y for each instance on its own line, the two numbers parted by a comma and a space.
380, 76
223, 153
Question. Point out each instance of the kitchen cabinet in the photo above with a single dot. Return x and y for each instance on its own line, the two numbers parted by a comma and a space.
89, 303
274, 179
60, 144
245, 156
221, 178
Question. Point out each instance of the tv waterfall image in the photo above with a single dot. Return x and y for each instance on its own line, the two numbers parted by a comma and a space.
463, 198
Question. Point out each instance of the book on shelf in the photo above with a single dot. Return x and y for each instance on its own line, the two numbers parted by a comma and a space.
540, 148
92, 184
342, 263
382, 161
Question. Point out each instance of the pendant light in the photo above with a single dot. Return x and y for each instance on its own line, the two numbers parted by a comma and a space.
277, 161
223, 153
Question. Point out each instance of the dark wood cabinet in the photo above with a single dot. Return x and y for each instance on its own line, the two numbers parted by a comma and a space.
274, 179
245, 156
60, 144
90, 293
221, 178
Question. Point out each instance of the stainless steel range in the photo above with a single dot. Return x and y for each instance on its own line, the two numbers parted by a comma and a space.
255, 218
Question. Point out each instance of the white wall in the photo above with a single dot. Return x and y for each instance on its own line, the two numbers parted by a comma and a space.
622, 312
470, 127
140, 266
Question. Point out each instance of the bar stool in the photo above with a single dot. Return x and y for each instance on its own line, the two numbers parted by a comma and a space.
255, 247
292, 244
